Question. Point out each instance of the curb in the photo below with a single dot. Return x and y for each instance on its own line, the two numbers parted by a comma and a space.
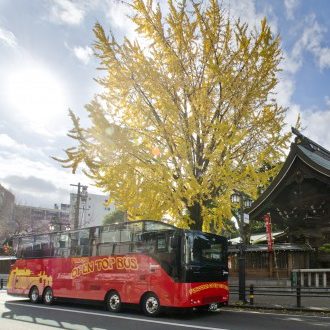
281, 308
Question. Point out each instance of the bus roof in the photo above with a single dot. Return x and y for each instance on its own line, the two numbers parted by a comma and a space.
147, 225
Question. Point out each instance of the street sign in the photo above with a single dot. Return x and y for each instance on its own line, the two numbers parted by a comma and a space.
246, 218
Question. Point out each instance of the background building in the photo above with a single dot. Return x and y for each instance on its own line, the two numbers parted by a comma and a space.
20, 219
7, 202
298, 202
38, 219
92, 210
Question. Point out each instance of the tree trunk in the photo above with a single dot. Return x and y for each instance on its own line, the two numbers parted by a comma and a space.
195, 214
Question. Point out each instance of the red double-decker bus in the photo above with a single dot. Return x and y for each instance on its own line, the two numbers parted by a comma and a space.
148, 263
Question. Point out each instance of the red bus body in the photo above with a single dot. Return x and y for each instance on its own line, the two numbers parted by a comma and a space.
132, 275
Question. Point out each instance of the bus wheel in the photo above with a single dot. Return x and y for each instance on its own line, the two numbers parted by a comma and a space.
48, 297
34, 295
151, 305
113, 302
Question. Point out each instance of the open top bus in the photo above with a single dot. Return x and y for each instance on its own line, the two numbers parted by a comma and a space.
149, 263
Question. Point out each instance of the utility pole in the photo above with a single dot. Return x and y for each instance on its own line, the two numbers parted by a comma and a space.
81, 193
76, 212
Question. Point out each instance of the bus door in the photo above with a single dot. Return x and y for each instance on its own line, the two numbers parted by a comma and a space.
161, 269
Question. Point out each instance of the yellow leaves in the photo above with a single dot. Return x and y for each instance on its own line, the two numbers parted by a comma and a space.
185, 121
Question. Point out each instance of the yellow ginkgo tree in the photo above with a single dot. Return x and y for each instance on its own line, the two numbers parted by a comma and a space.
185, 119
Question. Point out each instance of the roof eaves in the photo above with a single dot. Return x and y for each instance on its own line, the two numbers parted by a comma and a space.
278, 179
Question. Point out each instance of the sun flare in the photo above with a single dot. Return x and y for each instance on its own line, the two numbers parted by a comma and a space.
36, 94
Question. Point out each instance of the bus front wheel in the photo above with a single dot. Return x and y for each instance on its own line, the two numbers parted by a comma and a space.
151, 305
34, 295
113, 302
48, 297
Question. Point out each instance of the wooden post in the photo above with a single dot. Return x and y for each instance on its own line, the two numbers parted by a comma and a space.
270, 262
290, 263
298, 289
276, 267
251, 296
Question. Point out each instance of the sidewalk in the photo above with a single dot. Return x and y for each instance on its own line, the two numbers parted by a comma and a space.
272, 301
5, 297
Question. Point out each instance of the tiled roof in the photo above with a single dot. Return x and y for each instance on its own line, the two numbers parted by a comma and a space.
309, 152
276, 247
258, 238
319, 159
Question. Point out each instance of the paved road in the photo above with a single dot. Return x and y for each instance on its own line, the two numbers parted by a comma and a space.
17, 314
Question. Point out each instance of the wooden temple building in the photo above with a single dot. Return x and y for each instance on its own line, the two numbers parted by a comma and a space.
298, 200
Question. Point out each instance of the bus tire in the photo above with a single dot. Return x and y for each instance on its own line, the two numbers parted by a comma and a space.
113, 302
48, 297
34, 295
150, 304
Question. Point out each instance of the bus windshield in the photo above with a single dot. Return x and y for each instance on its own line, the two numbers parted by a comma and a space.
205, 249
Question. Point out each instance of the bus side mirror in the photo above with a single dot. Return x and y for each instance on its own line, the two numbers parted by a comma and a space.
174, 242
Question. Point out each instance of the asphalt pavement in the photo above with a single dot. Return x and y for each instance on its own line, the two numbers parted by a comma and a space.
20, 314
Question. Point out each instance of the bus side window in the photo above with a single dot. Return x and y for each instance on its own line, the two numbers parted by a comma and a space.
124, 245
188, 253
106, 249
26, 244
16, 246
61, 248
84, 242
19, 252
149, 242
94, 246
161, 243
125, 235
122, 248
28, 251
137, 246
51, 245
41, 246
84, 250
94, 237
74, 248
110, 236
79, 243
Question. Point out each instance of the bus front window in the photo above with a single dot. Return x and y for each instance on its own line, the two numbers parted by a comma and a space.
207, 248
